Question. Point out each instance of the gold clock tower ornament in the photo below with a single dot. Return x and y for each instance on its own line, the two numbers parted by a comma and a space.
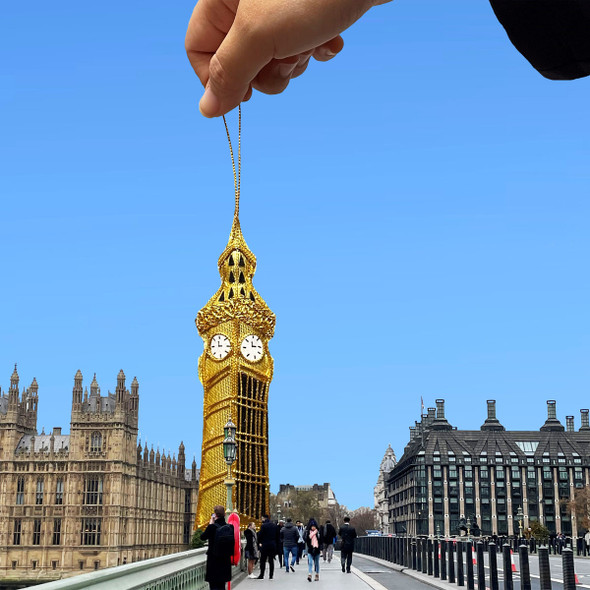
236, 370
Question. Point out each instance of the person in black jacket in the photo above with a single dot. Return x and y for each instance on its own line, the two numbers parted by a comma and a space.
218, 570
348, 535
313, 541
328, 534
289, 537
267, 541
234, 51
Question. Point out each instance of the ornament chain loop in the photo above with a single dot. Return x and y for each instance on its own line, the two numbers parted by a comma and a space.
237, 176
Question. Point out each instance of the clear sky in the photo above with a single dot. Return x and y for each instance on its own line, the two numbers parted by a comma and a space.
419, 208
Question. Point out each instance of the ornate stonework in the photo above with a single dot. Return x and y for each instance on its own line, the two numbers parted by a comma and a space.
90, 499
380, 492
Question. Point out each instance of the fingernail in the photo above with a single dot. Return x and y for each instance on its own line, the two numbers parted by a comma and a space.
330, 54
209, 105
285, 70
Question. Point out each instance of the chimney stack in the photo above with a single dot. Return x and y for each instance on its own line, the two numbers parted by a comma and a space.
569, 423
491, 422
552, 423
585, 422
440, 409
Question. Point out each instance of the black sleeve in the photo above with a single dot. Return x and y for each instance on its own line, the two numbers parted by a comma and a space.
553, 35
208, 532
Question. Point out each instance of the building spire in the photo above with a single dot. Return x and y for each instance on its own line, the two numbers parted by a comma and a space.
237, 298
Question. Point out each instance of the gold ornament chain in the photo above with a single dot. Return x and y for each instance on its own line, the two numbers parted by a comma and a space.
237, 176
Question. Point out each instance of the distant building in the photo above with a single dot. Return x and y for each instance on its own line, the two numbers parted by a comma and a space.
486, 475
90, 499
323, 492
380, 491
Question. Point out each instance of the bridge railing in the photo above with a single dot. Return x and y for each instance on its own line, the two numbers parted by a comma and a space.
179, 571
463, 561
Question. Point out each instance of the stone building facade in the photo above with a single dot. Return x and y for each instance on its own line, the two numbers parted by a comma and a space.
90, 499
323, 493
380, 491
487, 475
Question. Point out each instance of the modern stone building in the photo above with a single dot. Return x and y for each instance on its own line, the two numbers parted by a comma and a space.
90, 499
380, 491
486, 475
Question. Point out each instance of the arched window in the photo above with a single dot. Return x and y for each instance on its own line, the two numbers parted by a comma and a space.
96, 442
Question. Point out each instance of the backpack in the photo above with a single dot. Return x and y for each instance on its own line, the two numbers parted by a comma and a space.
224, 542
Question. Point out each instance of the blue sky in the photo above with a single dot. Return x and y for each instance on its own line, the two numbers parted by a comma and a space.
419, 209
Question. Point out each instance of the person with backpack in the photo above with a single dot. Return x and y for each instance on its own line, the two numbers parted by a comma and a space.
301, 540
220, 536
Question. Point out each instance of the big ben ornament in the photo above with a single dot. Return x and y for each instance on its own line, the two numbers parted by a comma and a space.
235, 369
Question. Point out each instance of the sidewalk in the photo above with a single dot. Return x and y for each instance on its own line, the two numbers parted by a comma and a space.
331, 576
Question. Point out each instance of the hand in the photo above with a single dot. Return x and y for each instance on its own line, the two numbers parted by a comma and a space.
237, 45
212, 519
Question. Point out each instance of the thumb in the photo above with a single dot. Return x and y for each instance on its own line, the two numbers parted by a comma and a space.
232, 68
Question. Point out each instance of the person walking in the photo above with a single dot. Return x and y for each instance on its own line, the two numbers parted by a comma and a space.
289, 537
312, 541
218, 570
252, 553
301, 540
348, 535
328, 534
280, 543
267, 542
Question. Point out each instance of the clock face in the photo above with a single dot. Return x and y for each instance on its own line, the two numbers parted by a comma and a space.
252, 348
220, 346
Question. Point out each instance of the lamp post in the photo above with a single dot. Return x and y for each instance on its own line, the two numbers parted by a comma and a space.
519, 516
229, 454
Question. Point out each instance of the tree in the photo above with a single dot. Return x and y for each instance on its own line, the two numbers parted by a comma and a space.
196, 540
304, 505
580, 507
539, 531
335, 514
363, 519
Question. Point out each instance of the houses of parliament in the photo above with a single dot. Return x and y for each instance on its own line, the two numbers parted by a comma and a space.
90, 499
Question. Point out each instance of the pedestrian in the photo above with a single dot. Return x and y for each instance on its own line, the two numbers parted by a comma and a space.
348, 535
328, 534
252, 552
587, 543
267, 542
300, 541
280, 543
289, 537
312, 542
218, 570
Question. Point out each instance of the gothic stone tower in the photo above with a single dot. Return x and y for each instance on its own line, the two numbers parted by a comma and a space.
235, 369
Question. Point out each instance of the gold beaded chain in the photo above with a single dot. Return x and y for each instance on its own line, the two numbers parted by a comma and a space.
237, 177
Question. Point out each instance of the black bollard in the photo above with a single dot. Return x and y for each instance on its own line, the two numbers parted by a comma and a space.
443, 560
414, 556
435, 559
481, 570
451, 565
544, 569
424, 557
469, 564
569, 576
508, 581
493, 557
460, 576
418, 545
525, 572
429, 547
